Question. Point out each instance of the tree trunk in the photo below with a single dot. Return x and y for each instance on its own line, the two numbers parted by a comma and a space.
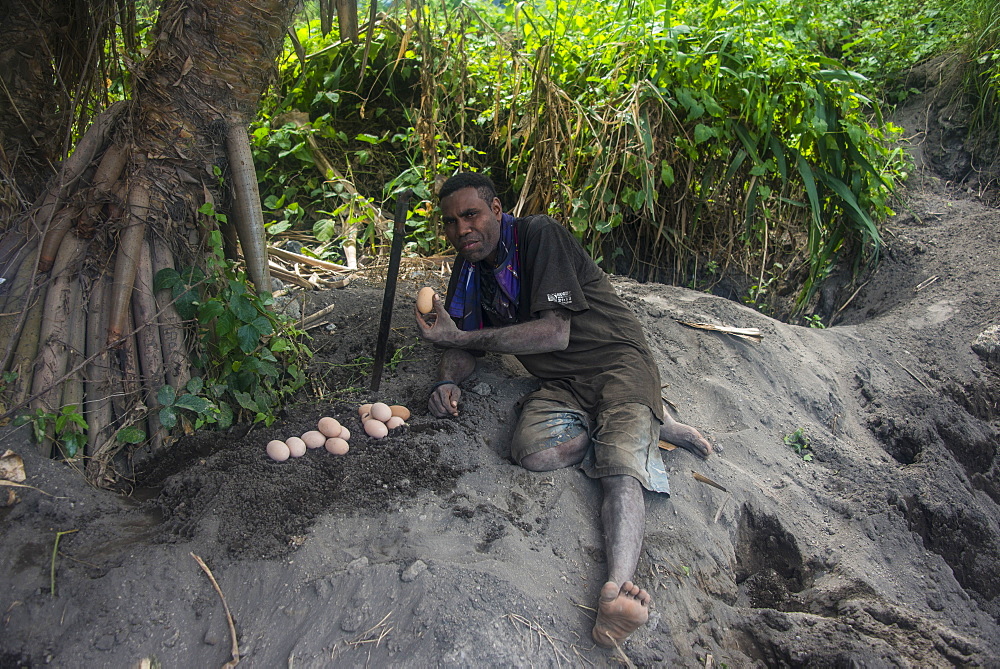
33, 129
125, 204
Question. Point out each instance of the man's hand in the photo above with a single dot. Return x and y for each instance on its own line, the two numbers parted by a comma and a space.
444, 400
439, 328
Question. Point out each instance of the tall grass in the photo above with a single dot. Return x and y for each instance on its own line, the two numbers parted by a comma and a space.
672, 135
982, 77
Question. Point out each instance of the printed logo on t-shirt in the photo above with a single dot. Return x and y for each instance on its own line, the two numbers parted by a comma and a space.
561, 298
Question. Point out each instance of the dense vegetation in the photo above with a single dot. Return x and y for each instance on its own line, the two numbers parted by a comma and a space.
680, 141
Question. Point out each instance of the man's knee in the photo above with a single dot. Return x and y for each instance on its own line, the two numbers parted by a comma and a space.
561, 455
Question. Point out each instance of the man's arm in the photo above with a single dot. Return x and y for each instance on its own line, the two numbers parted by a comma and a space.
540, 335
454, 367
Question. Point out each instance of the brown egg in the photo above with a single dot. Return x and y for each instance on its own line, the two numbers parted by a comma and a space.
364, 408
277, 450
381, 411
314, 439
345, 434
401, 411
330, 427
296, 447
337, 446
394, 422
425, 300
376, 428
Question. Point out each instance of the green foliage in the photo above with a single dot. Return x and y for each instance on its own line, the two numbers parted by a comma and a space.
883, 39
800, 442
174, 407
982, 76
714, 128
67, 429
250, 357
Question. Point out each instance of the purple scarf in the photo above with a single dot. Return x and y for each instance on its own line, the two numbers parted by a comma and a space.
466, 302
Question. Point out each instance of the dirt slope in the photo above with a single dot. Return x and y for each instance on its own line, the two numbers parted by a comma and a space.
431, 548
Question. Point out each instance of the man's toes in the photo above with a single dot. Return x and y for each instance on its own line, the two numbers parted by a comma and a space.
645, 598
630, 588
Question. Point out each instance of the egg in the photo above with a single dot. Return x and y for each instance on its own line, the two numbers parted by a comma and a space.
394, 422
425, 300
375, 428
363, 409
314, 439
337, 446
401, 411
345, 434
381, 411
330, 427
277, 450
296, 447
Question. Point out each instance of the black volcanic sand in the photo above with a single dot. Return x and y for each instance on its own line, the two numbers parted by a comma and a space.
430, 547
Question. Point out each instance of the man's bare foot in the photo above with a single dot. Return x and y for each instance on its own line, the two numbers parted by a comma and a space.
620, 611
684, 436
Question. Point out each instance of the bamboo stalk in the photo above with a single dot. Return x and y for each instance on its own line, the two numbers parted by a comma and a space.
23, 358
97, 389
53, 335
177, 366
127, 261
305, 260
75, 165
14, 300
12, 246
54, 235
249, 221
72, 386
149, 347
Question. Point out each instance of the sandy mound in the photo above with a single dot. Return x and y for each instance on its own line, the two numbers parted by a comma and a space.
430, 547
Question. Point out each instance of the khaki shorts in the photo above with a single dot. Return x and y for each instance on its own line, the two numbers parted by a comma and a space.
624, 439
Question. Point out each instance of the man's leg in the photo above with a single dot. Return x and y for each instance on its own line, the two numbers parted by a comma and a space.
623, 607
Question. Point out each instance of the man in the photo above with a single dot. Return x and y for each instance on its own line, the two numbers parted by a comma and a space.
526, 287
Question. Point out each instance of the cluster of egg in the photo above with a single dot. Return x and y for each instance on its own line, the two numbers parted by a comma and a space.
329, 433
379, 418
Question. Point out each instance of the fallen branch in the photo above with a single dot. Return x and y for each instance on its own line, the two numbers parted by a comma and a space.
52, 568
306, 260
225, 606
753, 334
704, 479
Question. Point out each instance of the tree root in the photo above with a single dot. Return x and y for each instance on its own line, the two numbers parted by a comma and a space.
127, 261
177, 365
149, 347
249, 220
53, 333
96, 380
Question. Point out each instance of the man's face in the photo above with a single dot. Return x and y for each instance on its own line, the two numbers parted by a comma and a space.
471, 224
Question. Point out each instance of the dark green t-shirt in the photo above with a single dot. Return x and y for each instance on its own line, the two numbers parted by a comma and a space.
607, 361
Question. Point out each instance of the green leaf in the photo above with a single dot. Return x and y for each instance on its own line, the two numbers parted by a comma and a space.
195, 384
208, 209
246, 401
168, 417
225, 418
263, 326
211, 309
243, 308
666, 174
130, 435
166, 279
702, 133
248, 338
166, 395
193, 403
280, 344
73, 443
